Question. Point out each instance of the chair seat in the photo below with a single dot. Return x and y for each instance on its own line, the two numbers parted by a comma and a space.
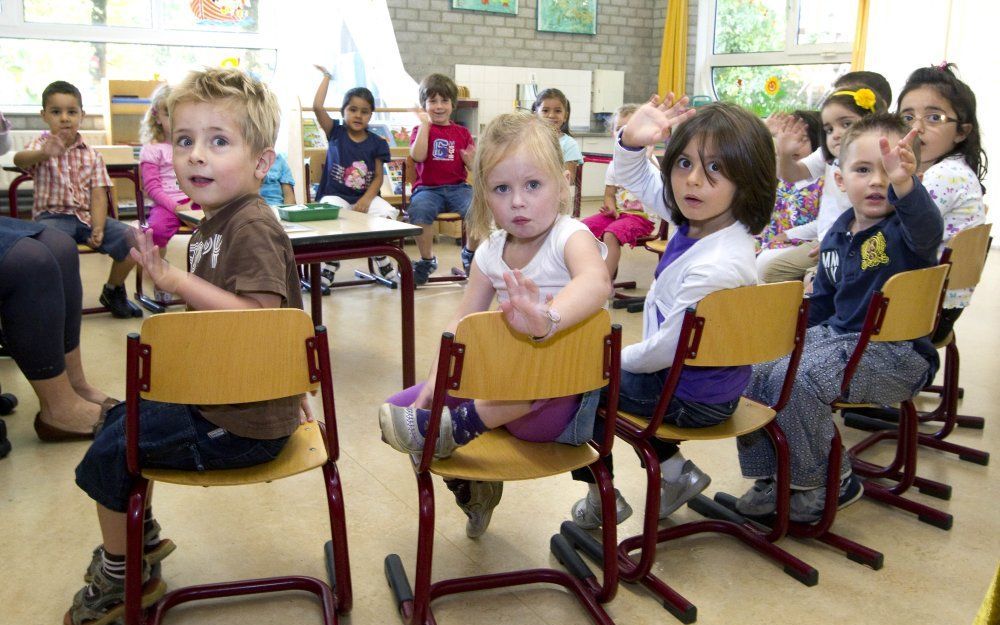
497, 456
945, 341
657, 245
448, 217
750, 416
304, 450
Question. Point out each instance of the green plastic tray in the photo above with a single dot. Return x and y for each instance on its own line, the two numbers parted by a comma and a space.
308, 212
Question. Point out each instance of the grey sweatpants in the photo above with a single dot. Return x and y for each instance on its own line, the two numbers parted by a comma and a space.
887, 373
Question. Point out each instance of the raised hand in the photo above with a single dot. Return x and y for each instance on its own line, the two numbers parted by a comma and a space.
655, 120
147, 255
421, 115
54, 146
524, 311
792, 137
899, 161
468, 155
323, 71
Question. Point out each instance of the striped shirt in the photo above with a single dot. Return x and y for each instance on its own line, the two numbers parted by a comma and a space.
63, 184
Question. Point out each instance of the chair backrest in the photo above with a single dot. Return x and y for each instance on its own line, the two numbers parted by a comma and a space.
968, 256
913, 299
227, 356
746, 325
500, 364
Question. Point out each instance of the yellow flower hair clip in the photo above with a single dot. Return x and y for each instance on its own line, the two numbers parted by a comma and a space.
864, 98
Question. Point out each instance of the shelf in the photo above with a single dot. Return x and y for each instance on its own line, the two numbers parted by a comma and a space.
119, 108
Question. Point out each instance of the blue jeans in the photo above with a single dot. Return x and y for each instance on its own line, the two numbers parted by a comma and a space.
639, 395
118, 238
171, 436
427, 203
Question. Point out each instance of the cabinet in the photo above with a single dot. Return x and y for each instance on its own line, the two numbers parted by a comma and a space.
306, 140
593, 173
607, 90
127, 103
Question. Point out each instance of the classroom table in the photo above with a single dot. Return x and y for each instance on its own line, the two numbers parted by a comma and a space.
127, 171
352, 235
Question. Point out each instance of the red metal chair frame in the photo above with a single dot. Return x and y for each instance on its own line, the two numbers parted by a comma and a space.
723, 521
127, 174
414, 605
338, 563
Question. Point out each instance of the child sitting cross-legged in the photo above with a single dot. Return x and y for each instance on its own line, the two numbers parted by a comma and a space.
894, 226
224, 126
70, 190
547, 272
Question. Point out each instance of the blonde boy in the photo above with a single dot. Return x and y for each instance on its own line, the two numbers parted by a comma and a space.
224, 127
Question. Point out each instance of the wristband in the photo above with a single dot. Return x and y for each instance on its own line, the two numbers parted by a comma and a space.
554, 320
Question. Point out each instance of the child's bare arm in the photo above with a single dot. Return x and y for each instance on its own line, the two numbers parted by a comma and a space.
287, 193
198, 293
610, 205
418, 149
319, 102
98, 215
51, 148
365, 200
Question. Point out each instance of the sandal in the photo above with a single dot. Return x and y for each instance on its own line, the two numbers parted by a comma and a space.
107, 604
152, 554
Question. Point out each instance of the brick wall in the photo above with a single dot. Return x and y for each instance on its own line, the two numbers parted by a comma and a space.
433, 37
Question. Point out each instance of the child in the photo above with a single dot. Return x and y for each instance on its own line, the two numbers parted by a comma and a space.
279, 184
797, 203
552, 106
893, 226
547, 272
70, 195
224, 127
843, 107
352, 175
952, 161
441, 151
717, 186
622, 219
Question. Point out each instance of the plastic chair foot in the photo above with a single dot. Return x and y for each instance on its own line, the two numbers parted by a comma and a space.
689, 615
807, 578
569, 558
578, 538
396, 576
135, 310
716, 509
973, 423
935, 489
943, 521
875, 562
980, 457
634, 308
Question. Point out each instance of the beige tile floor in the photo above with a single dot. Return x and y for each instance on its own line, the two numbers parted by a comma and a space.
47, 526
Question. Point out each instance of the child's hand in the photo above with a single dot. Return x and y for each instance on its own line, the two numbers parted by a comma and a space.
523, 311
899, 162
362, 204
323, 71
792, 137
147, 255
307, 412
421, 115
468, 155
814, 252
781, 237
774, 121
54, 146
608, 211
96, 237
654, 121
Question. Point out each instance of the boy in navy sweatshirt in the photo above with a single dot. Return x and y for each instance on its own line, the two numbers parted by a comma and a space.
894, 226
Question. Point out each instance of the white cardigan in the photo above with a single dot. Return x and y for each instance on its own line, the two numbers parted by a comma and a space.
722, 260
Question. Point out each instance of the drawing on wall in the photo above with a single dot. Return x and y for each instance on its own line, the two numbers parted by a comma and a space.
507, 7
568, 16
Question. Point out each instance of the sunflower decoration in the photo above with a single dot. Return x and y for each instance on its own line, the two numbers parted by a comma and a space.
772, 85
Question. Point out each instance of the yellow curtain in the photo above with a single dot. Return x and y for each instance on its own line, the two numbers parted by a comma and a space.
673, 51
860, 36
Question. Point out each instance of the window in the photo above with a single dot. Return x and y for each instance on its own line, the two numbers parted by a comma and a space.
772, 55
88, 41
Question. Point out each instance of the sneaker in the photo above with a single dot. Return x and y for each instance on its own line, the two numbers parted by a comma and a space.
806, 506
329, 269
154, 551
116, 300
399, 430
477, 500
761, 500
673, 495
467, 256
4, 443
385, 268
587, 513
102, 601
423, 268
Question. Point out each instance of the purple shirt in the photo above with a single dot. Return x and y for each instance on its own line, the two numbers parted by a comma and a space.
707, 385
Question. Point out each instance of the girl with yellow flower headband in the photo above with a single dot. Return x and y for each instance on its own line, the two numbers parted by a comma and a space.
844, 106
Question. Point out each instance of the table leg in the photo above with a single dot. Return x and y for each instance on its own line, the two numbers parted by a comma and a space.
315, 293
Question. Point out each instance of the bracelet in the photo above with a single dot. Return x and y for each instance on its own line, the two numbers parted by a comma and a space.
328, 75
554, 320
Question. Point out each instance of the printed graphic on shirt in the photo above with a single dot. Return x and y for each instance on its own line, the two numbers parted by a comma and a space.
873, 252
443, 150
356, 176
830, 260
209, 247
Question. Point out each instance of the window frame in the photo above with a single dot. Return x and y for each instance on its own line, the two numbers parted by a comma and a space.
794, 53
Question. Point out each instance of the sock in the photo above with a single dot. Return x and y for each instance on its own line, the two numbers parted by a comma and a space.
152, 538
381, 261
432, 259
466, 424
594, 494
670, 469
112, 565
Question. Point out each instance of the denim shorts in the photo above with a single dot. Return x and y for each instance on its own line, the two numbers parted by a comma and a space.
427, 203
117, 236
171, 436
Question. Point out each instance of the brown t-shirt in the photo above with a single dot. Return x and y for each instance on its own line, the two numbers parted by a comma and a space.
243, 249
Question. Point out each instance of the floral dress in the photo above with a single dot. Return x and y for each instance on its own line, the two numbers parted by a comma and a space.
795, 204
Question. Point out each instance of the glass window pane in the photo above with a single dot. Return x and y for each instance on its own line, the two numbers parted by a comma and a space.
749, 26
27, 65
826, 22
231, 15
765, 89
134, 13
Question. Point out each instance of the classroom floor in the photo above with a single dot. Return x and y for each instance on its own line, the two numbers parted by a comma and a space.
48, 527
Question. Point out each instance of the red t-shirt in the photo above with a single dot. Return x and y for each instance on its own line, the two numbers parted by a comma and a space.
443, 164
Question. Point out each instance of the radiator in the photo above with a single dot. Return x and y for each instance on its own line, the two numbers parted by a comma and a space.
21, 138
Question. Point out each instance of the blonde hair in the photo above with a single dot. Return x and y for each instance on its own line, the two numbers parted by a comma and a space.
507, 134
625, 110
152, 129
256, 106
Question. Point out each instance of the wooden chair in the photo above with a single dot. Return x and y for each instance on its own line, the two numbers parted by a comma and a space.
485, 359
243, 356
728, 328
80, 247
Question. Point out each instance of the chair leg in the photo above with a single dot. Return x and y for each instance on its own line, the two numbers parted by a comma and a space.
337, 559
414, 604
133, 552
